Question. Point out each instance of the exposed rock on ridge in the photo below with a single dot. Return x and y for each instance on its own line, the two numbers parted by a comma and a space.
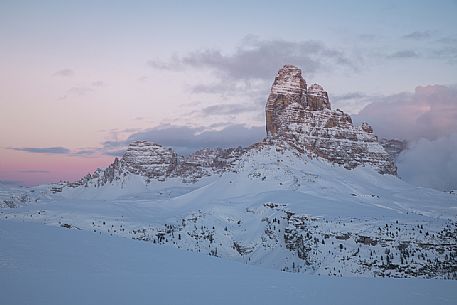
154, 161
150, 159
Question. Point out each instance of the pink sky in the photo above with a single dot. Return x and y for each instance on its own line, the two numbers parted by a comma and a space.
31, 169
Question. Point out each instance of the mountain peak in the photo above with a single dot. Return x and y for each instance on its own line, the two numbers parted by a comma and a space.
302, 116
289, 81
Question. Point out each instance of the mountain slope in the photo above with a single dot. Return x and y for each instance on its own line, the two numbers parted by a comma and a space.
121, 271
281, 210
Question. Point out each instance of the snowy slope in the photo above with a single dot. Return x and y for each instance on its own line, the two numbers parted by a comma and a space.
44, 265
277, 209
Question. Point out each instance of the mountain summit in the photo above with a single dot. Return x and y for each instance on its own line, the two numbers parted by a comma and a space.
302, 116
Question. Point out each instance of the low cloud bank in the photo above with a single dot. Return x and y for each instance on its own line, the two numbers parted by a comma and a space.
430, 163
427, 119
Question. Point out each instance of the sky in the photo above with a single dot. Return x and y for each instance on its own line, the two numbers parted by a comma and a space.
80, 79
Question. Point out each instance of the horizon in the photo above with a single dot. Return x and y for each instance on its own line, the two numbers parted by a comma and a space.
83, 79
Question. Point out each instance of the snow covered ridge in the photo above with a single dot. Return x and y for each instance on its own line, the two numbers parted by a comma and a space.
155, 162
277, 209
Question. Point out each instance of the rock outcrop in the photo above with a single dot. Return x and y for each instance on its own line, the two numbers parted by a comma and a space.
208, 161
303, 117
150, 159
154, 161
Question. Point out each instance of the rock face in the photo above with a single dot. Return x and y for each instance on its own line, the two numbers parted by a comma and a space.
150, 159
154, 161
303, 117
208, 161
289, 88
317, 98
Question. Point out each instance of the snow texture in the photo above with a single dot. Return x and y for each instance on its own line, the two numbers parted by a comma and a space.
44, 265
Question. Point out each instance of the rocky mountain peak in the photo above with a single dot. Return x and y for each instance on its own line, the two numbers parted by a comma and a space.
289, 87
289, 81
302, 116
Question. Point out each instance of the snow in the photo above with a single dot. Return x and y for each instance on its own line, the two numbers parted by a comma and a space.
126, 241
46, 265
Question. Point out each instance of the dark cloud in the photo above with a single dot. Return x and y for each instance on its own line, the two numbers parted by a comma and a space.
33, 171
349, 96
260, 59
418, 35
430, 163
115, 153
448, 40
430, 112
228, 109
404, 54
82, 152
448, 53
85, 152
228, 88
43, 150
66, 72
186, 139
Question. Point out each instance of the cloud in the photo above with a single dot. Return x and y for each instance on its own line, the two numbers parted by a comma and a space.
448, 40
244, 75
43, 150
33, 171
427, 119
260, 59
83, 90
80, 91
115, 153
98, 84
350, 96
186, 139
227, 109
404, 54
430, 112
66, 72
418, 35
430, 163
448, 53
85, 152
